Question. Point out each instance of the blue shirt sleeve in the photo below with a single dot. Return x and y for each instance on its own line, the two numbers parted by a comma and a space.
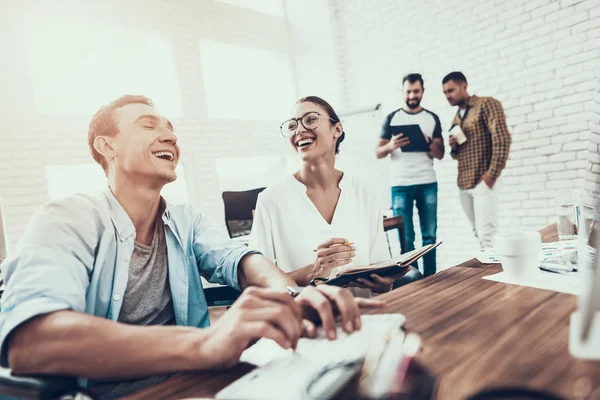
51, 270
217, 256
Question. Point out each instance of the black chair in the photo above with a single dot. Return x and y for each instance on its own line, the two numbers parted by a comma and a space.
220, 296
39, 387
238, 211
238, 220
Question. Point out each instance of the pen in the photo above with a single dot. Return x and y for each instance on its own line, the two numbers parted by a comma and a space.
343, 244
293, 291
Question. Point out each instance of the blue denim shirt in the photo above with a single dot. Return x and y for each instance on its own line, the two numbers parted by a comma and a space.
75, 255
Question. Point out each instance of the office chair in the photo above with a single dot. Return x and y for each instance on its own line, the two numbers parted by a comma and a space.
238, 220
238, 211
392, 223
40, 387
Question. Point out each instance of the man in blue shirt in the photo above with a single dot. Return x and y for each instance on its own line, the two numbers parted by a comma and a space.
108, 286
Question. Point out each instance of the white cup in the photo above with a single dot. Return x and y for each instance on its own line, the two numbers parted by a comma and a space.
519, 252
458, 134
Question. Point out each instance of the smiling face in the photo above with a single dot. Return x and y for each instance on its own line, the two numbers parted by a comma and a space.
144, 148
315, 142
413, 93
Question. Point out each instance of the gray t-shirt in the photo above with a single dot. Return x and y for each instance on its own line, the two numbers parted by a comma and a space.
147, 301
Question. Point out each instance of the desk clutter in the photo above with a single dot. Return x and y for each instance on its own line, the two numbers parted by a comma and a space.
555, 268
380, 353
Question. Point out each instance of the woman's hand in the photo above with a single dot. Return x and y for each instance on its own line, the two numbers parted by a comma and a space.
377, 283
331, 254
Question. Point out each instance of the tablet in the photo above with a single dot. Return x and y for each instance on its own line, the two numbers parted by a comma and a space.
414, 134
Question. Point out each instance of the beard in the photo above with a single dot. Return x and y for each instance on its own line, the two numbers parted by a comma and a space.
414, 103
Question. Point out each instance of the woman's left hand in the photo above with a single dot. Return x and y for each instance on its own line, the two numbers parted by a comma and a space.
377, 283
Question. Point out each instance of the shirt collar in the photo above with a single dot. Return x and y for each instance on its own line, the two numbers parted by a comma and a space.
120, 218
472, 100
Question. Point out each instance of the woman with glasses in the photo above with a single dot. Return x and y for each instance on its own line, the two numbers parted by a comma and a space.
320, 218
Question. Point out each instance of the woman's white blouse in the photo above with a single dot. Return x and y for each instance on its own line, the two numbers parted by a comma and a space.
288, 227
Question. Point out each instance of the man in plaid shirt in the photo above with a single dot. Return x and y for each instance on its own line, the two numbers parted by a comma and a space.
481, 158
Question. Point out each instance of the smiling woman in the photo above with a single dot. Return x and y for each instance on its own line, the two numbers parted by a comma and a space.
340, 216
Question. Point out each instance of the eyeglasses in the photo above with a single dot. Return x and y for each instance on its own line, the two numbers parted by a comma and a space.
310, 120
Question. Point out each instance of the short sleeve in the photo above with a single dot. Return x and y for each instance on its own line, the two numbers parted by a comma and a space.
437, 130
385, 128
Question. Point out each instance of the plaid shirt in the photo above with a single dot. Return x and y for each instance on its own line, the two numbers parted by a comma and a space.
488, 141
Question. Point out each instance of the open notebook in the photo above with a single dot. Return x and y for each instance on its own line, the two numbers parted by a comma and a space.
344, 275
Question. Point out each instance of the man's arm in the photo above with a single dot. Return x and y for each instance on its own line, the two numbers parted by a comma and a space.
256, 270
436, 146
495, 121
73, 343
386, 144
383, 148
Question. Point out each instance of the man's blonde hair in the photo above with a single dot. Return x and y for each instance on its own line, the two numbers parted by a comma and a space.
103, 123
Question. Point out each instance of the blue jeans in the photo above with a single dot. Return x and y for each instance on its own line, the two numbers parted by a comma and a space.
425, 197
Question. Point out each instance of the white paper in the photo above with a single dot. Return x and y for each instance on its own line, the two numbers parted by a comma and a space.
344, 348
570, 283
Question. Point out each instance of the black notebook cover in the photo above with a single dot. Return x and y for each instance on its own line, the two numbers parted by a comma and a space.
385, 268
414, 134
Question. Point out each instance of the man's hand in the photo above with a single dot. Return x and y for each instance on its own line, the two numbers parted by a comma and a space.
322, 303
453, 142
257, 313
489, 181
331, 254
398, 142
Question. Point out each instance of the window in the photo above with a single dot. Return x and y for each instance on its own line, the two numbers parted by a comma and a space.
246, 83
64, 180
78, 64
273, 7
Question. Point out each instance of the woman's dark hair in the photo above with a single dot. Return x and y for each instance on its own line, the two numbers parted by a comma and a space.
330, 111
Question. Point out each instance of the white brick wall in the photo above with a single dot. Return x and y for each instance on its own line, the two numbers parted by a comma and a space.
538, 57
31, 141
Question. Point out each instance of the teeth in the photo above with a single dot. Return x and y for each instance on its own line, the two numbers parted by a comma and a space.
161, 154
304, 141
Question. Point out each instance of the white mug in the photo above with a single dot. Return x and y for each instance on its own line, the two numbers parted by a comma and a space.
519, 252
457, 132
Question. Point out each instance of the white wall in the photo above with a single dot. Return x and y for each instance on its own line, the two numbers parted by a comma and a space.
538, 57
31, 140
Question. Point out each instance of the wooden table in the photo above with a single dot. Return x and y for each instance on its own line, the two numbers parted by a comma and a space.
476, 334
